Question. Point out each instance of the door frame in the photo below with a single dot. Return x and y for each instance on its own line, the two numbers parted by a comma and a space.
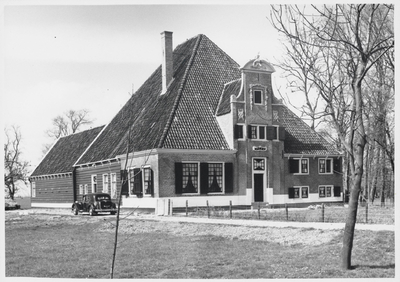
263, 172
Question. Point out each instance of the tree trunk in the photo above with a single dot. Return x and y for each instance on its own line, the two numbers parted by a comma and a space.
376, 175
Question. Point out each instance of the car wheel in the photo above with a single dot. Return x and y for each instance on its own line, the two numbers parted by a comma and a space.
76, 211
112, 213
91, 211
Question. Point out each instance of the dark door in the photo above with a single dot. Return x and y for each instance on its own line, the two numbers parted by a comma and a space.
258, 187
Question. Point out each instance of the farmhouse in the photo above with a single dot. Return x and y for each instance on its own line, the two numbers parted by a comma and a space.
201, 128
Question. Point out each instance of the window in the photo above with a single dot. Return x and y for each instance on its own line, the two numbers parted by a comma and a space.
325, 166
33, 186
258, 164
190, 178
80, 189
298, 192
328, 191
86, 189
105, 183
266, 132
215, 178
147, 181
298, 166
239, 132
203, 178
141, 181
113, 185
94, 183
258, 97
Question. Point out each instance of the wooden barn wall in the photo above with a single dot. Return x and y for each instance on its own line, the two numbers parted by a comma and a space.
83, 176
55, 189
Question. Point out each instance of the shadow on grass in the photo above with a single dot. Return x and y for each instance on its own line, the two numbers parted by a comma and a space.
389, 266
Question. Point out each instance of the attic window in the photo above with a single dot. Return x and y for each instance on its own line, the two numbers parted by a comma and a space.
258, 97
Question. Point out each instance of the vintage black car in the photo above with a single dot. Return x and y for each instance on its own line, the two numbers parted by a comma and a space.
94, 203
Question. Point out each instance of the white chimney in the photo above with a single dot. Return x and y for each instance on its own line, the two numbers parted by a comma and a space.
167, 59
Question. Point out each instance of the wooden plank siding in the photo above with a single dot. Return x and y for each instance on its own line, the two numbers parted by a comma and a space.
54, 189
84, 176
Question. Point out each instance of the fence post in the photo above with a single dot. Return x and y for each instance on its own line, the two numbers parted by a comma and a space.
230, 209
208, 210
287, 212
170, 206
323, 213
187, 207
366, 212
259, 215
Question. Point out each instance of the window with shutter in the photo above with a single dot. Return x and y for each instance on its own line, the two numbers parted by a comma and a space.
337, 165
137, 188
238, 132
148, 181
282, 133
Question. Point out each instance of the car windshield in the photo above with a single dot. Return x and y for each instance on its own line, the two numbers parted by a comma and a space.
102, 197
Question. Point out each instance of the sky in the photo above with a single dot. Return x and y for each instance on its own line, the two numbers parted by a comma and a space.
62, 57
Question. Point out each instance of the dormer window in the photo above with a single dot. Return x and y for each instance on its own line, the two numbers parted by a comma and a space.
258, 97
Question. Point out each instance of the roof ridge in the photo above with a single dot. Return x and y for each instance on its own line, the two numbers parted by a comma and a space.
180, 90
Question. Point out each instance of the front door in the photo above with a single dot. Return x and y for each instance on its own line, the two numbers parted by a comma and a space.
259, 187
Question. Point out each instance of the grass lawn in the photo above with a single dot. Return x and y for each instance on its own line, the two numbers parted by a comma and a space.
75, 248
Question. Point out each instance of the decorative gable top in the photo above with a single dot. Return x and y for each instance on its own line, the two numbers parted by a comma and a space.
65, 152
258, 65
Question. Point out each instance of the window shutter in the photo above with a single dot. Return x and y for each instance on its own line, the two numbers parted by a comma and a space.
271, 133
336, 191
282, 133
291, 192
178, 178
236, 131
137, 181
337, 165
293, 166
249, 131
203, 178
124, 183
228, 177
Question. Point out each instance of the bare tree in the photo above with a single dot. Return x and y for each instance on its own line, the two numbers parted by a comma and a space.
351, 39
69, 123
15, 169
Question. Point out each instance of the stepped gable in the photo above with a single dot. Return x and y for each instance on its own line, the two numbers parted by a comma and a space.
194, 125
299, 137
65, 152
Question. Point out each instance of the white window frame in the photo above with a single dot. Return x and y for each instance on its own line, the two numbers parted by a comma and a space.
301, 192
258, 132
106, 181
223, 179
113, 186
300, 165
86, 191
146, 167
325, 159
198, 177
33, 187
326, 186
129, 179
81, 189
93, 177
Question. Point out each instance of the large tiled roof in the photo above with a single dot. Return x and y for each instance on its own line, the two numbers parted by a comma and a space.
299, 137
65, 152
231, 88
182, 118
